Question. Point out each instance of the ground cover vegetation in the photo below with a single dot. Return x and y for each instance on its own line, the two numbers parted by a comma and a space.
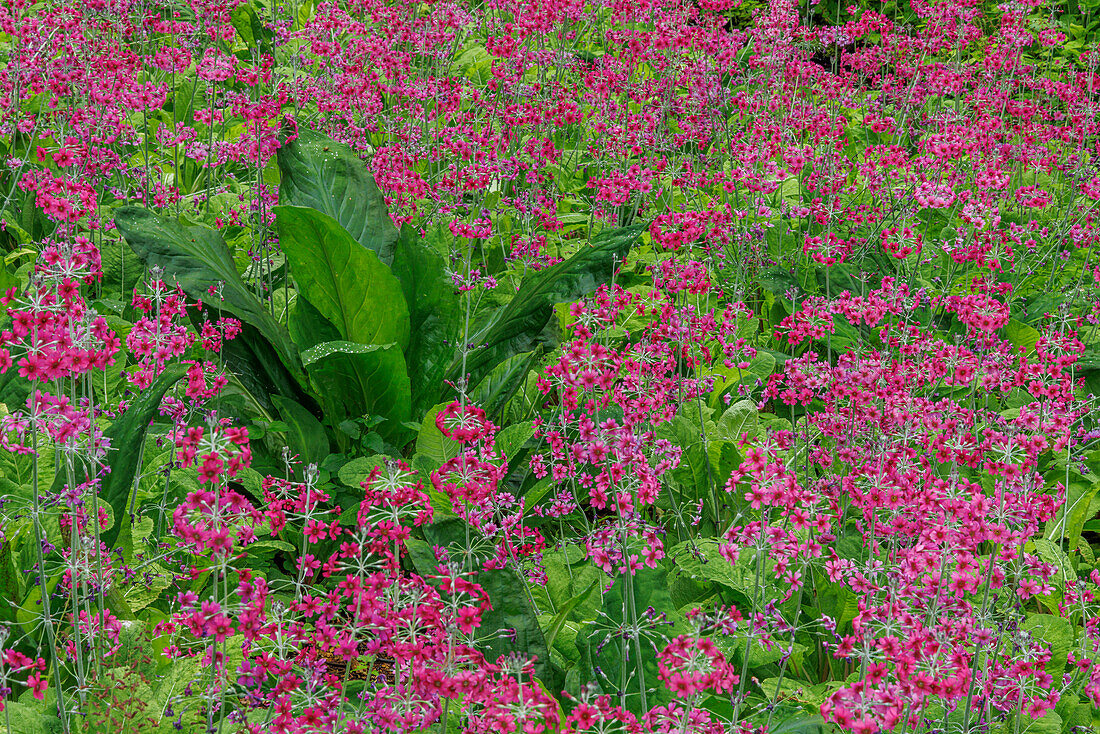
549, 365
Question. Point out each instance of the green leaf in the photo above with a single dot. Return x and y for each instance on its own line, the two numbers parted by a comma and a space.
306, 436
28, 719
1075, 511
124, 435
1022, 335
434, 317
504, 381
357, 471
11, 586
693, 473
431, 444
727, 378
564, 611
1051, 723
250, 29
511, 440
795, 690
354, 380
777, 281
700, 559
512, 624
319, 173
197, 258
308, 327
565, 581
1053, 554
1058, 634
601, 647
259, 369
29, 613
519, 325
803, 723
420, 553
345, 281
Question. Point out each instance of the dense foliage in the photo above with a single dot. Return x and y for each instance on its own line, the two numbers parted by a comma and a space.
549, 365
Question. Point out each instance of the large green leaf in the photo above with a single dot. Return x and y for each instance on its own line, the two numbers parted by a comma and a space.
567, 577
345, 281
601, 645
431, 445
1055, 632
503, 382
321, 174
519, 325
692, 475
434, 316
1075, 511
305, 433
125, 434
353, 380
251, 29
257, 365
701, 559
11, 586
308, 327
29, 719
514, 614
558, 621
197, 258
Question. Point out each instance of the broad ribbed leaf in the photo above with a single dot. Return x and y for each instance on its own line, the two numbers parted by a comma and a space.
434, 314
319, 173
343, 280
258, 367
518, 326
353, 380
197, 258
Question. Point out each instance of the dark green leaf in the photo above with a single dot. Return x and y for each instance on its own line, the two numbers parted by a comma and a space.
519, 325
345, 281
693, 472
306, 435
11, 586
308, 327
503, 382
320, 173
565, 609
431, 445
125, 434
434, 316
800, 724
258, 367
601, 646
197, 259
354, 380
512, 624
701, 559
777, 281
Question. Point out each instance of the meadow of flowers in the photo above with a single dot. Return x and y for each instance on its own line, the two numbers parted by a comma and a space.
545, 366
